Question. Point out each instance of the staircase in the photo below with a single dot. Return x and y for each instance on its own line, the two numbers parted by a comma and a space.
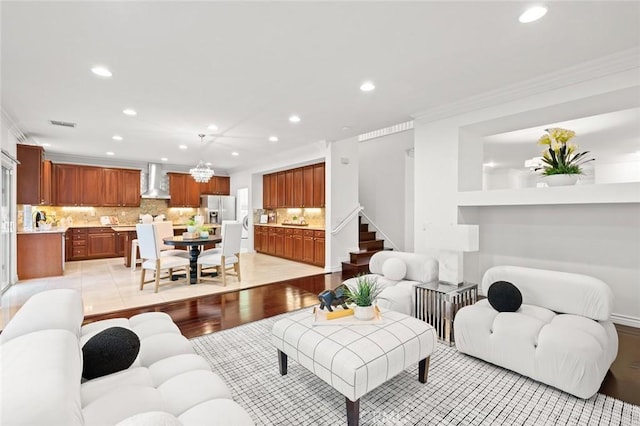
359, 260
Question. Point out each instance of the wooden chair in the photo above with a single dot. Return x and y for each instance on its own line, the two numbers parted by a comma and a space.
227, 257
153, 260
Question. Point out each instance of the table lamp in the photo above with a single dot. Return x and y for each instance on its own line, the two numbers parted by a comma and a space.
452, 241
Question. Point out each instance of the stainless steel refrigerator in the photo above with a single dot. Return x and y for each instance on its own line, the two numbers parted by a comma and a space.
218, 208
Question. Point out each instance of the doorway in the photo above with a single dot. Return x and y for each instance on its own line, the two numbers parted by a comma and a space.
6, 218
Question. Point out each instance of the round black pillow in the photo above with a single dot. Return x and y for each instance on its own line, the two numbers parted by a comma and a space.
112, 350
504, 296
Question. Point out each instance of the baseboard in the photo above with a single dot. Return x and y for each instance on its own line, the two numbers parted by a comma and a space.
333, 269
625, 320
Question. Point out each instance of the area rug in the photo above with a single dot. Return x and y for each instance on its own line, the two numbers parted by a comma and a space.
461, 390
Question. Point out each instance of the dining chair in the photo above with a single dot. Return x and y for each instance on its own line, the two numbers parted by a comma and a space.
164, 229
153, 260
227, 257
218, 247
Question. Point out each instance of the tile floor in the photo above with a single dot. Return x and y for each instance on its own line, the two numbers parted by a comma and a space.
107, 285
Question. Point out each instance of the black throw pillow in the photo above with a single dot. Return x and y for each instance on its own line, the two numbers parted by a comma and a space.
112, 350
504, 296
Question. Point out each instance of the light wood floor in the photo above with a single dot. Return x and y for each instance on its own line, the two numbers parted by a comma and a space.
107, 285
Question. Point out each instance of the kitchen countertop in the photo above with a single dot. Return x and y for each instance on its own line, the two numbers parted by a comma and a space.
284, 225
53, 230
126, 228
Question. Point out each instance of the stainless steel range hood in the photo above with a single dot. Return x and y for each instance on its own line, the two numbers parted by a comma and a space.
154, 181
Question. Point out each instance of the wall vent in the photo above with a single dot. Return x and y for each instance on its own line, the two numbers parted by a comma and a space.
63, 123
396, 128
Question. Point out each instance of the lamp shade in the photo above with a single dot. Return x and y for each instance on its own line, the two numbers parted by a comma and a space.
453, 237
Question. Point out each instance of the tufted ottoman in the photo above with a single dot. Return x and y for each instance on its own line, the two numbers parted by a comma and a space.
355, 358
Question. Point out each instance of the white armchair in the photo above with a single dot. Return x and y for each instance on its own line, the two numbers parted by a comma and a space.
561, 335
398, 273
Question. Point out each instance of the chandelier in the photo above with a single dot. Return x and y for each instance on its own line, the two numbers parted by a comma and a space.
201, 173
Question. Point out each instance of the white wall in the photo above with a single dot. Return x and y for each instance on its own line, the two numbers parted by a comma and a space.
596, 239
383, 180
8, 141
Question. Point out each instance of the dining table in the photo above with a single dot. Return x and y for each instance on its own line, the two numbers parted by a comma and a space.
193, 245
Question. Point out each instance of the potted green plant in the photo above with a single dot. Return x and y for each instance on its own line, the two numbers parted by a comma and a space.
363, 294
191, 225
562, 161
204, 231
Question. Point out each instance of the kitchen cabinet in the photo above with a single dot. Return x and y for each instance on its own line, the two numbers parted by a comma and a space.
318, 185
217, 185
307, 183
33, 176
183, 190
39, 254
308, 246
297, 245
258, 238
121, 188
271, 240
279, 241
299, 187
101, 243
123, 242
288, 243
78, 243
78, 185
318, 248
281, 189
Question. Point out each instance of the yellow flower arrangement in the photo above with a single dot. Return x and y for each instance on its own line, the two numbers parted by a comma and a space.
559, 155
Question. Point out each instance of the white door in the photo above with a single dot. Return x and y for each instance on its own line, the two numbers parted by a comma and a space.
7, 224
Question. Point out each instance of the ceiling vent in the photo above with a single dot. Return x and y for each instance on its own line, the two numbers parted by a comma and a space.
63, 123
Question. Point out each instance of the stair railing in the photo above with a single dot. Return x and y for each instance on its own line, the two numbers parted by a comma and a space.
386, 238
347, 219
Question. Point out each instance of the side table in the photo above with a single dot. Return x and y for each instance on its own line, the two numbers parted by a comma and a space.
437, 304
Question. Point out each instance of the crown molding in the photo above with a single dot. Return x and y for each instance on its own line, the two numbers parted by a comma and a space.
14, 128
607, 65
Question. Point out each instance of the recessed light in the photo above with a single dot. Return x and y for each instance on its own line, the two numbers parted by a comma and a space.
294, 119
273, 139
101, 71
116, 137
345, 128
489, 164
164, 159
207, 163
367, 86
46, 144
235, 154
182, 146
129, 111
212, 127
532, 14
111, 153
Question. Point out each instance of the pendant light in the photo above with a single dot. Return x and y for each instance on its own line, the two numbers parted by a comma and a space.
201, 173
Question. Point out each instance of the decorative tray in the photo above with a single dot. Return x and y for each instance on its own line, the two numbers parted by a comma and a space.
320, 318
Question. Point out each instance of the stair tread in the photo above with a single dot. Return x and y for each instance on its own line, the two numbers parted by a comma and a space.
360, 263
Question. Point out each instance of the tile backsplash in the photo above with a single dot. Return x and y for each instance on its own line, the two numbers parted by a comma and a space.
125, 215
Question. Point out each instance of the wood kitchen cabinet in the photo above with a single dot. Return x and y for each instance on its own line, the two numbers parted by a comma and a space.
101, 243
217, 185
121, 188
78, 243
279, 241
318, 248
308, 246
298, 188
33, 176
78, 185
183, 190
297, 245
288, 243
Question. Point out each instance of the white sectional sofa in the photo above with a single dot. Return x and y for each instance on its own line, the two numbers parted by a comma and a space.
398, 273
42, 364
561, 335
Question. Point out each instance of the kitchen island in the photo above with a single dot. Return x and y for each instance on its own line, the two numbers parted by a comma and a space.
41, 253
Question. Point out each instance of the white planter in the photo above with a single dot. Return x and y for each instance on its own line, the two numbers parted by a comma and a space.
561, 180
204, 235
364, 313
192, 228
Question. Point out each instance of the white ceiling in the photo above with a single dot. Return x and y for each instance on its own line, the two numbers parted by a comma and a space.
247, 66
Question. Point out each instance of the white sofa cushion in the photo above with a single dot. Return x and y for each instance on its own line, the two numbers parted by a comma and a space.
41, 379
216, 412
558, 291
54, 309
420, 267
394, 268
152, 418
122, 403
